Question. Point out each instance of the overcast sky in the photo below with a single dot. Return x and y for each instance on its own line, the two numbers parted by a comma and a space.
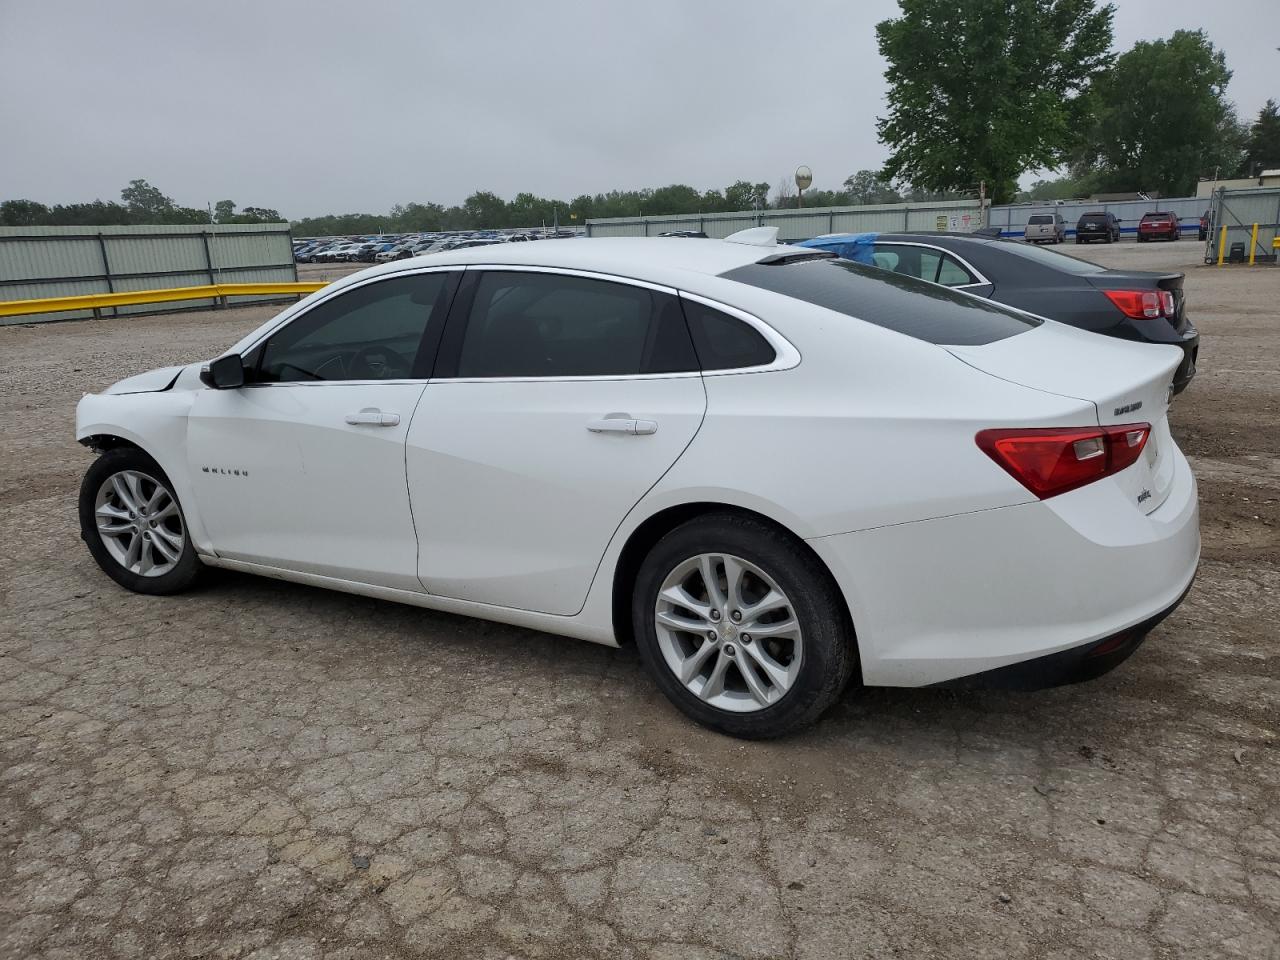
325, 107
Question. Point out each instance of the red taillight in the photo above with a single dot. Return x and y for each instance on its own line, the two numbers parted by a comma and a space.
1139, 304
1052, 460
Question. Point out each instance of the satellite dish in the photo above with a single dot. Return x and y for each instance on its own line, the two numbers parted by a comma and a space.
804, 177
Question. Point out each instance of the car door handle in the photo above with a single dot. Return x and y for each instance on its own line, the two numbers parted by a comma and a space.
623, 425
373, 417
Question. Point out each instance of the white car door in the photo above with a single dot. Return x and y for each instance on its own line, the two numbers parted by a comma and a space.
558, 400
303, 467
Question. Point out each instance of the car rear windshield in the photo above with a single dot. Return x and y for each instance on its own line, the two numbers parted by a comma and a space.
1041, 218
916, 308
1050, 258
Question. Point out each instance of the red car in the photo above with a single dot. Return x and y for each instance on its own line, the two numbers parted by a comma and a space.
1158, 226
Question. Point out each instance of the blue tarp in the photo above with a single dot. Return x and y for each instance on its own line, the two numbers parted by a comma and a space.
852, 246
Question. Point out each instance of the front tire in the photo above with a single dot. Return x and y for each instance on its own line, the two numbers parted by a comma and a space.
741, 627
134, 526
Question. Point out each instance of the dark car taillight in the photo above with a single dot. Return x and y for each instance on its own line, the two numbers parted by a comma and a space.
1141, 304
1052, 460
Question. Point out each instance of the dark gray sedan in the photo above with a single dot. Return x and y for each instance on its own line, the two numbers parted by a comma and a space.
1130, 304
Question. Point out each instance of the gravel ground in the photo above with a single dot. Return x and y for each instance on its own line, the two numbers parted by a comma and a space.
268, 770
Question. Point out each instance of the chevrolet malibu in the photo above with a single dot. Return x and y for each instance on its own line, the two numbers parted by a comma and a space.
770, 469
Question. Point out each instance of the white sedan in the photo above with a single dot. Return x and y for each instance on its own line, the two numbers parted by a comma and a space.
769, 469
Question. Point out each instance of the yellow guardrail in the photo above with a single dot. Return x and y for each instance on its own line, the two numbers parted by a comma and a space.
96, 301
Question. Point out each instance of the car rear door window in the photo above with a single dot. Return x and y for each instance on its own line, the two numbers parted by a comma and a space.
557, 325
901, 303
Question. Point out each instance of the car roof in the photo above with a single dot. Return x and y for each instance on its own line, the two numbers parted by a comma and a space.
658, 259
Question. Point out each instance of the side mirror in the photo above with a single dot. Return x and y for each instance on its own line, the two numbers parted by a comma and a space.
225, 373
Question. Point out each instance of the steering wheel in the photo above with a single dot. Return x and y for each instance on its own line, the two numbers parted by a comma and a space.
388, 365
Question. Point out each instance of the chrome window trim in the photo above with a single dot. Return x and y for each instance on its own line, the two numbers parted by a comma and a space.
951, 253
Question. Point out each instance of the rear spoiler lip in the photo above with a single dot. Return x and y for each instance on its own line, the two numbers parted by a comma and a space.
1121, 280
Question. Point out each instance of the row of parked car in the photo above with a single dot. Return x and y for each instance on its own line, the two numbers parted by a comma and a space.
380, 249
1104, 226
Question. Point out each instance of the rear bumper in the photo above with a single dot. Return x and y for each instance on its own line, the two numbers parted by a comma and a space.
1077, 665
962, 596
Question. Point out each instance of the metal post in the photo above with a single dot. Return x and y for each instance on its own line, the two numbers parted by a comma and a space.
1253, 244
906, 219
1222, 244
208, 257
831, 222
106, 270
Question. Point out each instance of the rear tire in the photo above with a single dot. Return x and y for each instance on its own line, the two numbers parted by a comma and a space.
799, 663
134, 526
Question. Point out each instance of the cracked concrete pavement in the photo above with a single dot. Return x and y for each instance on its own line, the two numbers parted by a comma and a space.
258, 769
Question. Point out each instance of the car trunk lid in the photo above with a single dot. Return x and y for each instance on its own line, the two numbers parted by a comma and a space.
1126, 382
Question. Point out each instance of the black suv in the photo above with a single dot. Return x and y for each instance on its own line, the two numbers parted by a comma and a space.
1098, 226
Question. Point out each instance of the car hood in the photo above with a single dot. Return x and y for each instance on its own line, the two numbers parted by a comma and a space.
153, 381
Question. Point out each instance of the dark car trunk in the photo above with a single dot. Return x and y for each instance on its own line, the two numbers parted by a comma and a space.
1143, 280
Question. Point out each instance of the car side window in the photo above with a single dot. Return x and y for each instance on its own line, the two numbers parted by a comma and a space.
557, 325
372, 332
724, 342
923, 263
952, 274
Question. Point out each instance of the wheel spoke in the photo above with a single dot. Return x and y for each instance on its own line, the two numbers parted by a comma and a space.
159, 496
673, 622
754, 683
170, 509
146, 559
771, 601
733, 571
681, 597
134, 552
693, 662
134, 483
166, 548
715, 682
711, 580
775, 671
783, 628
123, 492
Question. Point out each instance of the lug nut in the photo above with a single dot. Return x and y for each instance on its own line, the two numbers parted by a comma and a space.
728, 649
746, 638
737, 615
711, 635
715, 614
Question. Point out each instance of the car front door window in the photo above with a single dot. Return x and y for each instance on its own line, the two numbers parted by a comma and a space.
372, 332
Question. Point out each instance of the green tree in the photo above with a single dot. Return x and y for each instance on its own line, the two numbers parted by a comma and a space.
485, 210
23, 213
983, 90
146, 202
866, 186
1263, 151
223, 211
1163, 118
745, 195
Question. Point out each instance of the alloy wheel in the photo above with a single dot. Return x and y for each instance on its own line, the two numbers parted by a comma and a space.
728, 632
139, 523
